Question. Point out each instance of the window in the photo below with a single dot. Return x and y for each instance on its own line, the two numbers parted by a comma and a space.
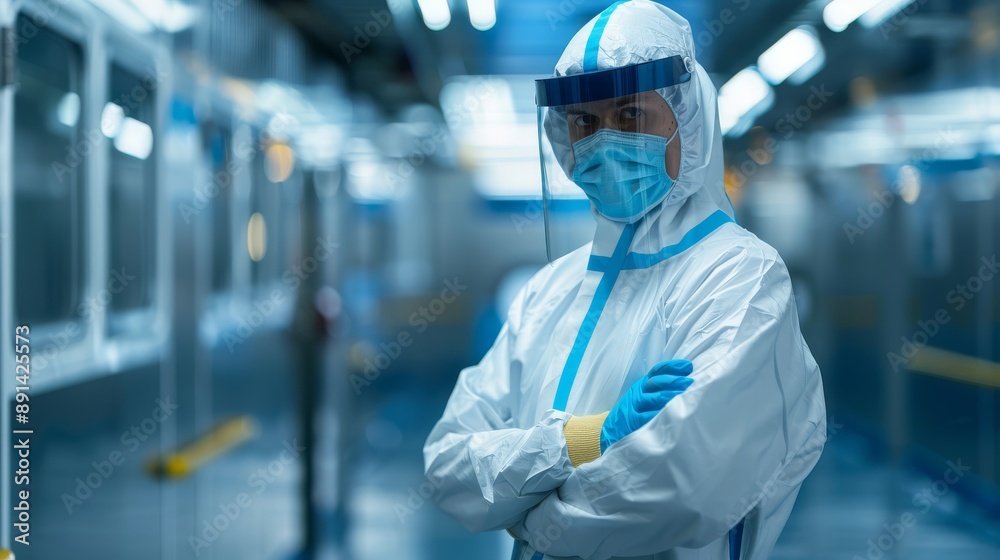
50, 152
264, 225
127, 120
220, 153
287, 178
291, 231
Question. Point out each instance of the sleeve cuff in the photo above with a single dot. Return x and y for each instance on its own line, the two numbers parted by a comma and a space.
583, 438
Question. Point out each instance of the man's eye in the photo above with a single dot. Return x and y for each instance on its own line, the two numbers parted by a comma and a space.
631, 112
584, 120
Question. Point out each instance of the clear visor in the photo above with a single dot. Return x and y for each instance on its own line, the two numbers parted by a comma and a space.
610, 138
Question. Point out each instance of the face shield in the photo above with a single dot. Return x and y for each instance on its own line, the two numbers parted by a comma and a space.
612, 134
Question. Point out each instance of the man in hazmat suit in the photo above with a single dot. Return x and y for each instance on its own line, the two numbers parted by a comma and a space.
650, 395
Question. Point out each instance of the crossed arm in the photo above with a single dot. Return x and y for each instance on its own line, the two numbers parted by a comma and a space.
683, 480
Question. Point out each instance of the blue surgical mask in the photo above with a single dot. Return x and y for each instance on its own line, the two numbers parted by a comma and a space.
623, 173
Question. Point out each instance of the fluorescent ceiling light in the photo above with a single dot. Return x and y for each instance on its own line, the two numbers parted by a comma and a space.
799, 49
482, 14
837, 15
126, 14
135, 138
908, 183
142, 16
743, 94
257, 237
436, 13
469, 102
279, 163
111, 119
68, 111
883, 11
320, 145
369, 181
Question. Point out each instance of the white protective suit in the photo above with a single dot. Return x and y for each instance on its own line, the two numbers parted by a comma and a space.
715, 473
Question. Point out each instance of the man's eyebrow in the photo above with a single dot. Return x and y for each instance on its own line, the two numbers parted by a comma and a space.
618, 102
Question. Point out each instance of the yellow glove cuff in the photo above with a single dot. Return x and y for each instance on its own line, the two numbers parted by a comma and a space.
583, 438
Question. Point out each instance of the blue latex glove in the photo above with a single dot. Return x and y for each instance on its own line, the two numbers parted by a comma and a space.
644, 400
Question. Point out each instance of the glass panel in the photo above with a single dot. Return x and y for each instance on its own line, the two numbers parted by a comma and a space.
263, 230
291, 230
127, 120
49, 154
220, 151
287, 178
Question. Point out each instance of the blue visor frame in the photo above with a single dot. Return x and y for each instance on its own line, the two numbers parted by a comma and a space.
614, 82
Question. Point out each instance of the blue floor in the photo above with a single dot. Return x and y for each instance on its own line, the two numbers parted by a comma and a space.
389, 517
840, 513
855, 505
